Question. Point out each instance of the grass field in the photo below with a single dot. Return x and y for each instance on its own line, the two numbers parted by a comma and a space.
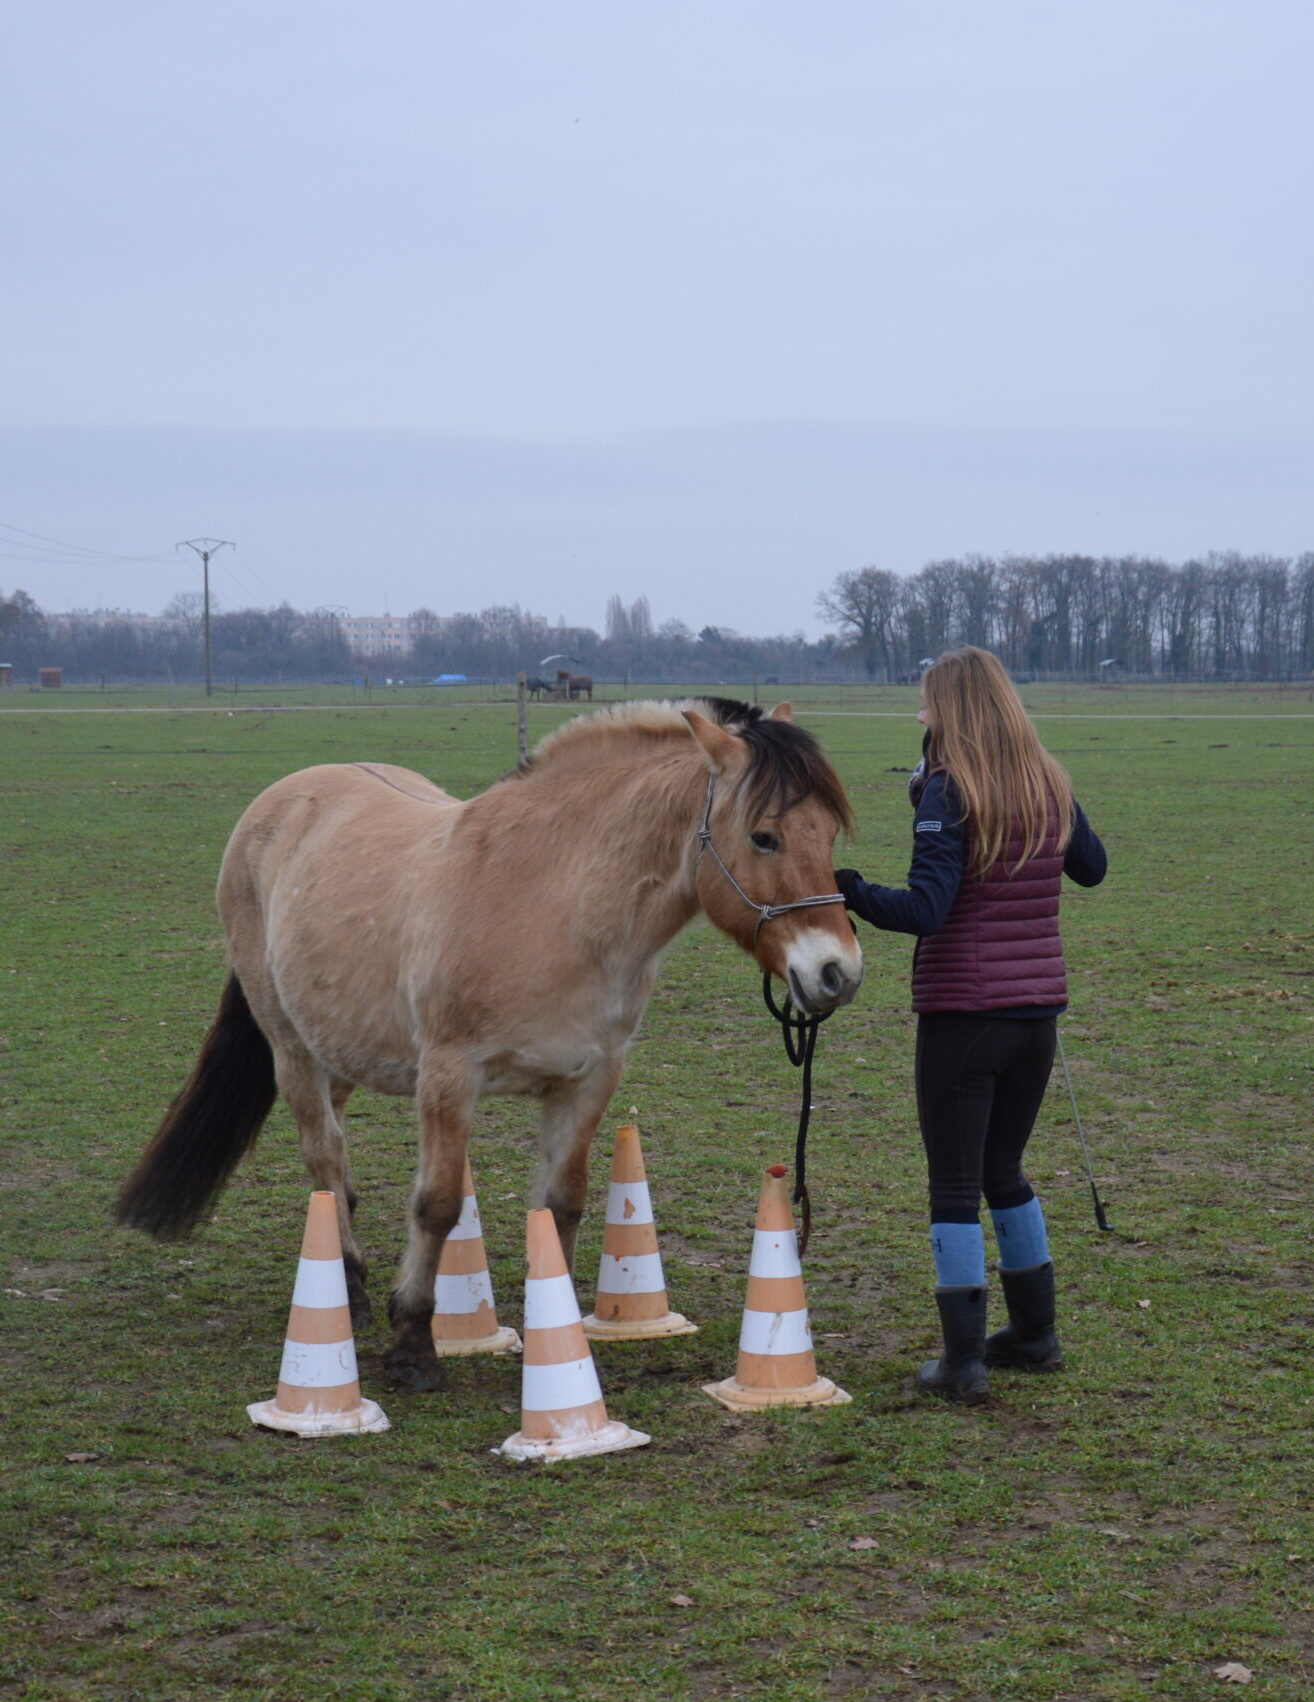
1122, 1530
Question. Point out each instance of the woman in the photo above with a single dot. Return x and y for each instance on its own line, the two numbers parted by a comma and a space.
995, 829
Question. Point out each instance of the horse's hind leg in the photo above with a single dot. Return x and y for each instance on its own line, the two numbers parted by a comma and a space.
570, 1119
317, 1101
354, 1260
445, 1100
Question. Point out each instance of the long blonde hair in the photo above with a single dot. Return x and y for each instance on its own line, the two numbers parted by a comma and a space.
982, 738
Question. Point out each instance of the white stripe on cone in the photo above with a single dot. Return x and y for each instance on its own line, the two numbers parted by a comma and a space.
468, 1226
775, 1332
775, 1254
550, 1303
318, 1365
629, 1202
634, 1273
461, 1295
320, 1282
553, 1388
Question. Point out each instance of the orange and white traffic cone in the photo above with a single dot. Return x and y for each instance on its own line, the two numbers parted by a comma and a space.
318, 1387
776, 1363
562, 1413
631, 1302
464, 1317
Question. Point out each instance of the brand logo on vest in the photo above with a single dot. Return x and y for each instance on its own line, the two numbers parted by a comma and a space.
927, 827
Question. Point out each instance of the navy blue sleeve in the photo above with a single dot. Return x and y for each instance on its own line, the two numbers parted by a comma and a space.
1085, 860
933, 877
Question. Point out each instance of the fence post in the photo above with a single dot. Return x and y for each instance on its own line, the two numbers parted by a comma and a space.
522, 720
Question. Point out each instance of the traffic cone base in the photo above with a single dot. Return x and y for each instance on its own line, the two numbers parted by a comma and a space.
318, 1385
609, 1438
562, 1413
637, 1329
776, 1365
739, 1398
464, 1318
631, 1303
363, 1417
501, 1340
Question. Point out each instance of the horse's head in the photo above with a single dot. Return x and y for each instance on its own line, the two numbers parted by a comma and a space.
775, 805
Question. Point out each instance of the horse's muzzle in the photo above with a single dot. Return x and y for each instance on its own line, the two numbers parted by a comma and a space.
820, 977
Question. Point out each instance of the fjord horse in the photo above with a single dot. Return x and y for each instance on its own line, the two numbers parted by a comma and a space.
382, 933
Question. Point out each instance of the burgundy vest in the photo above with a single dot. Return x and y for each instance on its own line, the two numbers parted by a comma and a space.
999, 947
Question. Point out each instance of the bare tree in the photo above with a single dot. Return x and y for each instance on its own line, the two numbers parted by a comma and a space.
640, 620
864, 603
188, 610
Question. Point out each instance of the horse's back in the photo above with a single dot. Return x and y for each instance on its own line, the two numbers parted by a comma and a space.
330, 827
317, 895
340, 789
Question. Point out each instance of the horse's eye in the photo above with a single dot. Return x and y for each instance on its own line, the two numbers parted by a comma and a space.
764, 841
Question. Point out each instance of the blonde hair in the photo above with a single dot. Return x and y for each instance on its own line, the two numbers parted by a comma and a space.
982, 738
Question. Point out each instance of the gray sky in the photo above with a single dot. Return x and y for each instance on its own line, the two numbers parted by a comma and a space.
454, 304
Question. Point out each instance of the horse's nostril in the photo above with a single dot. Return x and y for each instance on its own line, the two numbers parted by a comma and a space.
832, 979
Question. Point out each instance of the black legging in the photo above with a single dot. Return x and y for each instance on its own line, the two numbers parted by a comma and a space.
980, 1081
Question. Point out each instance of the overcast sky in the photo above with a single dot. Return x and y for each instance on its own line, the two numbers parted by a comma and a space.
426, 303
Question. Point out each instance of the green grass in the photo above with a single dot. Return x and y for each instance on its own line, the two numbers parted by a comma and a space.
1114, 1532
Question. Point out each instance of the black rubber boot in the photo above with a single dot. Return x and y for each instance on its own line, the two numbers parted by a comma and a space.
959, 1374
1028, 1341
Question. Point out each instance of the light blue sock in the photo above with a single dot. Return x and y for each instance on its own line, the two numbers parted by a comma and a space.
1020, 1233
959, 1252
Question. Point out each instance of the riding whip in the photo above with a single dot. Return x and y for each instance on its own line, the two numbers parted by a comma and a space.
1100, 1218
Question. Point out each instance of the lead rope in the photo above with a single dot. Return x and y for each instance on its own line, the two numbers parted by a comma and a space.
800, 1032
800, 1036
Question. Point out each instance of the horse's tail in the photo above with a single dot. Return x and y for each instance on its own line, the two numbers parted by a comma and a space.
207, 1129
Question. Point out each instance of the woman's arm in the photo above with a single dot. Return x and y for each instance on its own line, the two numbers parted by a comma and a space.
1085, 860
933, 877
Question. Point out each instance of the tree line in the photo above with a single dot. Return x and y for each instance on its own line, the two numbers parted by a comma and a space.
1225, 616
494, 644
247, 644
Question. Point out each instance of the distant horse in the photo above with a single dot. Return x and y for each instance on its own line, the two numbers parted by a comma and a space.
536, 686
382, 933
574, 685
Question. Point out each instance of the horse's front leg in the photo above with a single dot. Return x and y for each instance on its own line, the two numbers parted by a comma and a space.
445, 1101
571, 1114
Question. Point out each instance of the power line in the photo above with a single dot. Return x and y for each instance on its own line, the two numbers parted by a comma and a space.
250, 567
41, 546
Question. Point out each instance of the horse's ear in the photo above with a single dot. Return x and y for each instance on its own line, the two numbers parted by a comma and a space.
723, 749
782, 712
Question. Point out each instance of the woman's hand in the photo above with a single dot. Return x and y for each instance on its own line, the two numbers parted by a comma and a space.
846, 881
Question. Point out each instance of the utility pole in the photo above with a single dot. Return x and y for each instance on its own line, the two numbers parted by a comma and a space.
205, 548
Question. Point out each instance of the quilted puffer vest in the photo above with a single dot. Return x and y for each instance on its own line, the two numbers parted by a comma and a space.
999, 947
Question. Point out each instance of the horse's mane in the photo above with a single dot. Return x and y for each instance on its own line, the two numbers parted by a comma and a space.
786, 764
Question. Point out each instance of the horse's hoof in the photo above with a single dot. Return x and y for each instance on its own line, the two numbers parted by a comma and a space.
415, 1376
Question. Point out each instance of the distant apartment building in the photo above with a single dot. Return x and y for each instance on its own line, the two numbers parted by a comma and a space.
116, 617
376, 635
